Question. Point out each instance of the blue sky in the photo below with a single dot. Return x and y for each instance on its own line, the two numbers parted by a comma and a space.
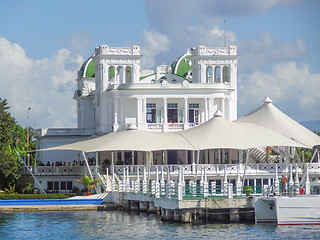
44, 43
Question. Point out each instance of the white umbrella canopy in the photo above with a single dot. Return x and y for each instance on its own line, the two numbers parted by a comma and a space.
130, 140
221, 133
269, 116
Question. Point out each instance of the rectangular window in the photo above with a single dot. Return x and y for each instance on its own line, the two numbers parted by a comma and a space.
172, 112
50, 186
63, 186
194, 113
151, 113
56, 186
172, 105
69, 185
151, 105
194, 105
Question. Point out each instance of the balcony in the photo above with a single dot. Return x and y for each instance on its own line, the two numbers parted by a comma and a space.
57, 170
169, 127
64, 132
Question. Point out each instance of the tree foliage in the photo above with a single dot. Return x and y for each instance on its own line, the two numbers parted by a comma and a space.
308, 153
88, 183
13, 139
6, 125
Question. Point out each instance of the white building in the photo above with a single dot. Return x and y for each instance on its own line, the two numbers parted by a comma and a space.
114, 94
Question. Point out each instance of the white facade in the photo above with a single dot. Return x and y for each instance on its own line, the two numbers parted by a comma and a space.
114, 94
171, 98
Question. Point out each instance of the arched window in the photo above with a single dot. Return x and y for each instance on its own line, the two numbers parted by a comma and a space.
217, 75
111, 74
226, 74
128, 75
209, 78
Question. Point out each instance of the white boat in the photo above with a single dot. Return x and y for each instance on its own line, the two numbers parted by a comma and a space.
297, 210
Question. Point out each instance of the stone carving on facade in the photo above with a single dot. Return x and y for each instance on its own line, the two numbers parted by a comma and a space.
164, 83
189, 75
85, 89
120, 51
217, 51
185, 83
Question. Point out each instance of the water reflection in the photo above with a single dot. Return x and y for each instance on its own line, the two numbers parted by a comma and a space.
124, 225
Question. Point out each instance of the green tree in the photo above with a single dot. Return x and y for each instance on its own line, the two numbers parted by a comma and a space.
88, 183
6, 125
308, 152
9, 164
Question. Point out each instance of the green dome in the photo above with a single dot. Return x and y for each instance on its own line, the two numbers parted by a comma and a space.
87, 69
182, 65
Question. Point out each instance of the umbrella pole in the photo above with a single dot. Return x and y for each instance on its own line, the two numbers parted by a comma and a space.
86, 161
308, 165
245, 167
148, 163
112, 162
41, 189
198, 156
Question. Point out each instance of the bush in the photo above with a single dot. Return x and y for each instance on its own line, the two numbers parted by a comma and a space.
36, 196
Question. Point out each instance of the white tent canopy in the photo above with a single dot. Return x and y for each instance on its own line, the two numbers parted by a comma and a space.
269, 116
266, 126
221, 133
214, 134
130, 140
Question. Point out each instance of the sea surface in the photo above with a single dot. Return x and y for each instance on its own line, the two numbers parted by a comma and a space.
126, 225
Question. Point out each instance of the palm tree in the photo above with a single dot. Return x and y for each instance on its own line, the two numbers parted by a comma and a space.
88, 183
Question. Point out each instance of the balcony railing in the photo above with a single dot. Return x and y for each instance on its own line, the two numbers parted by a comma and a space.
219, 169
169, 126
58, 170
189, 169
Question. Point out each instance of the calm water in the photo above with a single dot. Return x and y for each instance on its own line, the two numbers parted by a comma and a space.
124, 225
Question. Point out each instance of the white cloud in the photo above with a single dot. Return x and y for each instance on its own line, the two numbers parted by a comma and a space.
45, 85
153, 44
243, 7
265, 51
293, 89
80, 42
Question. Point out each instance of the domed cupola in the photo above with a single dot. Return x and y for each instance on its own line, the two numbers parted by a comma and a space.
86, 79
182, 66
87, 69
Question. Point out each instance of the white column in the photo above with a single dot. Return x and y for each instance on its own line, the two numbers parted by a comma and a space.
165, 115
210, 108
121, 116
122, 157
307, 181
277, 183
226, 108
165, 110
116, 112
185, 113
203, 75
124, 74
116, 75
144, 112
223, 108
206, 115
296, 182
139, 111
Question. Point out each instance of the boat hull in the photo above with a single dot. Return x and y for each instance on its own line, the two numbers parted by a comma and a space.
288, 210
